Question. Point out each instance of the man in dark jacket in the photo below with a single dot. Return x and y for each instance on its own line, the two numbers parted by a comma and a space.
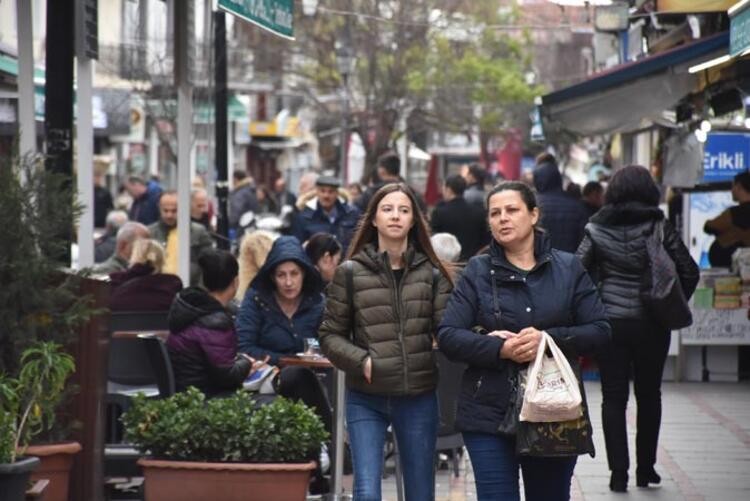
562, 217
388, 171
474, 175
242, 198
592, 197
145, 208
455, 215
327, 214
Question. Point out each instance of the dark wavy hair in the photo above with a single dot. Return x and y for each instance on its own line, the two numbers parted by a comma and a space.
419, 234
320, 243
219, 268
632, 184
527, 194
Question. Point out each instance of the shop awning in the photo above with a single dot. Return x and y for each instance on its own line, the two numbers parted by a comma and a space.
622, 98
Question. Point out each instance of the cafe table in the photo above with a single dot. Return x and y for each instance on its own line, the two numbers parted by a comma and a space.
337, 465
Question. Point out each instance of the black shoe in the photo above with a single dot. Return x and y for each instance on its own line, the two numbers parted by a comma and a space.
618, 481
319, 485
645, 477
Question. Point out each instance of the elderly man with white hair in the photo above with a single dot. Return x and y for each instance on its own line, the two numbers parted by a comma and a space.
126, 237
105, 245
446, 247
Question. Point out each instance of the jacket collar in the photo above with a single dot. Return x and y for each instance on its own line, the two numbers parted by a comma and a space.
379, 262
629, 213
542, 253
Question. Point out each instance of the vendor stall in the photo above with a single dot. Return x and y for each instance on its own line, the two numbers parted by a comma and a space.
709, 349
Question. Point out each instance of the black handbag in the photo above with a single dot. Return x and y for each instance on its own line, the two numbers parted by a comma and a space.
662, 292
509, 425
562, 439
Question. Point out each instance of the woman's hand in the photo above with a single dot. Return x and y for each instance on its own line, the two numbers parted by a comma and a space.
367, 369
521, 347
254, 364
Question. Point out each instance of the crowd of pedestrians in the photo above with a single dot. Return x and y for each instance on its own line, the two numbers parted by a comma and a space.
382, 283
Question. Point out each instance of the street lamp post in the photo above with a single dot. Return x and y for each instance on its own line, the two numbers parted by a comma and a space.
345, 60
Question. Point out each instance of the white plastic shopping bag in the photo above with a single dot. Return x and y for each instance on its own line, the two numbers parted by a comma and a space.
552, 393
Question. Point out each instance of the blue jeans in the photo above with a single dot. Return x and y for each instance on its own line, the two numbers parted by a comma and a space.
496, 471
414, 420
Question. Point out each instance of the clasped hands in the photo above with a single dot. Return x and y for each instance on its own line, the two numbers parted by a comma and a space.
521, 347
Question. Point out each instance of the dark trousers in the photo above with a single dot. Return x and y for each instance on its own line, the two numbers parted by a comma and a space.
496, 465
300, 383
639, 347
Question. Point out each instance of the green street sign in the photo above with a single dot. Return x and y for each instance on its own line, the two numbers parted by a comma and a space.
276, 16
739, 29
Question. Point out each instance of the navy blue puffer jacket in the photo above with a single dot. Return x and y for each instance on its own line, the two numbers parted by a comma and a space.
262, 328
556, 296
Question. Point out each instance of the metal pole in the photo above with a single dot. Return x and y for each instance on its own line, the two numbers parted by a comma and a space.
85, 160
182, 32
220, 81
344, 174
58, 103
26, 120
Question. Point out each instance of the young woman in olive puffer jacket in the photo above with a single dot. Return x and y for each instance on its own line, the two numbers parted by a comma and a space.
381, 334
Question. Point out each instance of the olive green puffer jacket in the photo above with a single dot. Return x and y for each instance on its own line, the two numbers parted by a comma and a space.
393, 325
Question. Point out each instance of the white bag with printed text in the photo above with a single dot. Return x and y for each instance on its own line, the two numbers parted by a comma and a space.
552, 392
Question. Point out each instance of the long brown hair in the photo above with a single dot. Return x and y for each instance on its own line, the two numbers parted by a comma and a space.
419, 234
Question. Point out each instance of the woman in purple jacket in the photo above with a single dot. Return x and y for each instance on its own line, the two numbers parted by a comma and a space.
202, 342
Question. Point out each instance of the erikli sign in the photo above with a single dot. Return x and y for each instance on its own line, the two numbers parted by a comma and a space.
725, 156
277, 16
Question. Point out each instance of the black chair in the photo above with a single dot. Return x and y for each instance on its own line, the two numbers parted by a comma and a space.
448, 438
160, 363
138, 321
129, 370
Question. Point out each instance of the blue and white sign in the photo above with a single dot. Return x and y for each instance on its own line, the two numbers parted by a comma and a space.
725, 155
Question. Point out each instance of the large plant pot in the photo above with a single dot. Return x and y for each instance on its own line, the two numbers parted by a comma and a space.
186, 480
57, 461
14, 478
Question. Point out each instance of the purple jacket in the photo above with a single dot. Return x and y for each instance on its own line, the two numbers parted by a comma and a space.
202, 344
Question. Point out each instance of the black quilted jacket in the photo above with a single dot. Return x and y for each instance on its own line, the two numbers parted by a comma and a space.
613, 250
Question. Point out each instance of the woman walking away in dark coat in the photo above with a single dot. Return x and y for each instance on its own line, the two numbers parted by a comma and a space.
513, 294
284, 304
379, 328
614, 251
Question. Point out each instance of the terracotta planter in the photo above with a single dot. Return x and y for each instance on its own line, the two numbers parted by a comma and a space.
57, 461
186, 480
14, 478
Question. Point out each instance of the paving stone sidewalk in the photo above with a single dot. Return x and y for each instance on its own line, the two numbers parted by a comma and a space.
704, 451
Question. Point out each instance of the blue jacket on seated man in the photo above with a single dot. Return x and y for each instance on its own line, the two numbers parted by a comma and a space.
263, 329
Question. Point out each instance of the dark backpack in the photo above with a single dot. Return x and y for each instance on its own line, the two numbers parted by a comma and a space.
662, 292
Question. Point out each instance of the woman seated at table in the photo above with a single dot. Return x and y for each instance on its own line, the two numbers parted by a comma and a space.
283, 306
202, 341
143, 287
324, 250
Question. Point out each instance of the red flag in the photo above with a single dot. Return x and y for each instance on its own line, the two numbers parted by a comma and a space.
509, 157
432, 190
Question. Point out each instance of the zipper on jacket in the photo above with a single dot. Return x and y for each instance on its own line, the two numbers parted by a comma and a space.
478, 385
399, 315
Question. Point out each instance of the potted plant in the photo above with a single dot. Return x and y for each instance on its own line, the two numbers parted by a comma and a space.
38, 300
27, 406
224, 448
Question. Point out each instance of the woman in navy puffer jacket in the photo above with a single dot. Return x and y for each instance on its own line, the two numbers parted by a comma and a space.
518, 290
283, 306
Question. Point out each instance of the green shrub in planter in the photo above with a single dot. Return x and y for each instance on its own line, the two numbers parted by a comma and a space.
187, 427
28, 402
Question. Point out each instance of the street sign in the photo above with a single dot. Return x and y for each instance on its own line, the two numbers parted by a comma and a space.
725, 155
739, 28
276, 16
